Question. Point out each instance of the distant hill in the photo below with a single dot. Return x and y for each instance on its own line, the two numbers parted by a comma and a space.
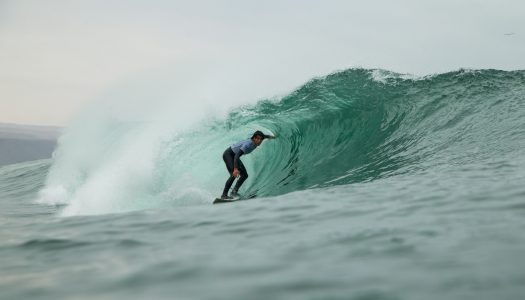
20, 143
17, 131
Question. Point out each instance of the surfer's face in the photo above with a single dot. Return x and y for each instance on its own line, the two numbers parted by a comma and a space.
257, 140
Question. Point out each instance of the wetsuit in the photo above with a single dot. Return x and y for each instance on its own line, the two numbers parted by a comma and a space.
231, 157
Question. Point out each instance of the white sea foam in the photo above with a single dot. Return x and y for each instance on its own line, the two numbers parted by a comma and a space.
114, 156
386, 77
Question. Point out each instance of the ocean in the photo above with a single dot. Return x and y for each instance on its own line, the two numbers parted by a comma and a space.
379, 186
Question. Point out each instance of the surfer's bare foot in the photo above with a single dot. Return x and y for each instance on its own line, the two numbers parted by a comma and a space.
226, 197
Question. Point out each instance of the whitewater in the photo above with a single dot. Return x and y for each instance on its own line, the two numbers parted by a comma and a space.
379, 186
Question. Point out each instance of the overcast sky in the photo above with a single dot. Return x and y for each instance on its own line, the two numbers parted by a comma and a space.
56, 56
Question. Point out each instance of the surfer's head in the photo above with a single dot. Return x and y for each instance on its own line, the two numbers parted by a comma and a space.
258, 137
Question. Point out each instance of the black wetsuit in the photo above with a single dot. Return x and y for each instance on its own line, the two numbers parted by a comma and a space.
233, 161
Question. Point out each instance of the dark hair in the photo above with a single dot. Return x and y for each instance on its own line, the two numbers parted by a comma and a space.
259, 133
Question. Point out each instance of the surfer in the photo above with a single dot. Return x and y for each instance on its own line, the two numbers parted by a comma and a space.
234, 164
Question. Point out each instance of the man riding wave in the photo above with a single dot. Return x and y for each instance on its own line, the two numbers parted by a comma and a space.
231, 157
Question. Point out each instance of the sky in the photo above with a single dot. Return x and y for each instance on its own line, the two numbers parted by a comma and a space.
57, 56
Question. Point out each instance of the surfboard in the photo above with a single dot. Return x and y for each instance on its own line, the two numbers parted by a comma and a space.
219, 200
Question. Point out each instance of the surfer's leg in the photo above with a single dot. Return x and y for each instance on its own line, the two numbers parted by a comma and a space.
242, 178
228, 160
227, 186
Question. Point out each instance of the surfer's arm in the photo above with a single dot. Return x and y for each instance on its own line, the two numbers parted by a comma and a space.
271, 137
237, 159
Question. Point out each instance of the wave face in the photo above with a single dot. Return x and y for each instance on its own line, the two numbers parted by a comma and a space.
361, 125
354, 126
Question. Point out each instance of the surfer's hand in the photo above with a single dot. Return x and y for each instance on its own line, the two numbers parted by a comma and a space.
235, 172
